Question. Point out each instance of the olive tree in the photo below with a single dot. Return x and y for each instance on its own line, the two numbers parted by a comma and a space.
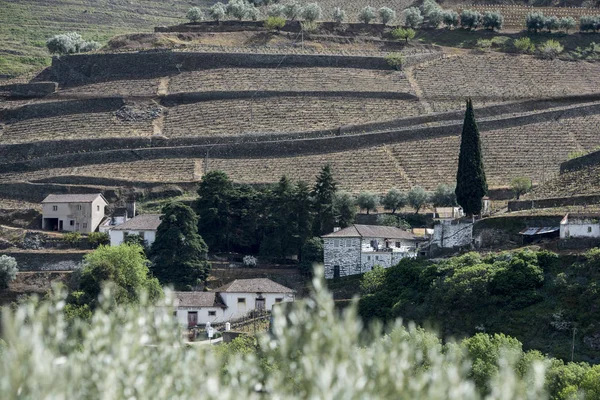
338, 15
417, 198
535, 21
292, 10
393, 200
253, 12
217, 11
567, 23
443, 196
238, 9
367, 201
70, 43
8, 270
195, 14
492, 20
367, 15
552, 23
276, 10
450, 18
311, 12
413, 17
386, 15
470, 19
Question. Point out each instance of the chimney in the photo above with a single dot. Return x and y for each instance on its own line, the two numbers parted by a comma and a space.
130, 207
336, 229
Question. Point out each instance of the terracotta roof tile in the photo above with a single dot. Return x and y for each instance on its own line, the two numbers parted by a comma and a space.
72, 198
142, 222
260, 285
198, 299
374, 231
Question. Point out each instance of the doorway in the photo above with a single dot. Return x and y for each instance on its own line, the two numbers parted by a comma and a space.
260, 304
336, 271
192, 318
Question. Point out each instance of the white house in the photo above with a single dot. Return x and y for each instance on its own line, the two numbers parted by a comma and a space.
357, 248
144, 225
229, 302
580, 226
73, 212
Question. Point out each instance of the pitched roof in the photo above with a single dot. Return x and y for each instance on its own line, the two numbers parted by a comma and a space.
72, 198
374, 231
142, 222
259, 285
198, 299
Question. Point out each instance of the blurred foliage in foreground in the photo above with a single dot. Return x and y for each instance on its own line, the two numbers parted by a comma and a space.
127, 352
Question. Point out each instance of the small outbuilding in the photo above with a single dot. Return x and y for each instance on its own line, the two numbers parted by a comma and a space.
580, 226
144, 225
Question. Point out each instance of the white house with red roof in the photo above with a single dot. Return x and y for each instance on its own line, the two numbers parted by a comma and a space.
230, 302
358, 248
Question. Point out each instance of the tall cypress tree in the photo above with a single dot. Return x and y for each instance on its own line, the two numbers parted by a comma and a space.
471, 184
179, 253
324, 195
213, 209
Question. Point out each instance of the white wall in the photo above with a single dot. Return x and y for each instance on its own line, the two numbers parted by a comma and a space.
237, 310
203, 317
85, 220
580, 229
117, 237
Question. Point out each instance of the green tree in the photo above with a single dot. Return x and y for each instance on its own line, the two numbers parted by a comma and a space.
125, 266
195, 14
471, 184
393, 200
281, 237
323, 194
311, 253
96, 239
345, 208
443, 196
274, 23
417, 198
367, 201
213, 209
8, 270
520, 185
372, 280
302, 212
179, 253
405, 34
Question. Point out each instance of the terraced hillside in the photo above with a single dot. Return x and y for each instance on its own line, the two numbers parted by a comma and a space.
168, 117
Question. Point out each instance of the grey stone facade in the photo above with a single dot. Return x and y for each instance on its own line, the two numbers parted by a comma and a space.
343, 253
452, 233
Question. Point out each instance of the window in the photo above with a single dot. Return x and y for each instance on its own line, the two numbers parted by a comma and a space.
212, 313
97, 208
79, 207
71, 222
54, 208
242, 300
398, 244
336, 243
368, 258
589, 229
85, 225
374, 244
377, 258
278, 300
348, 242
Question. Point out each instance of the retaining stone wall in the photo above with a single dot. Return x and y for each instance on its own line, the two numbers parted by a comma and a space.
29, 90
88, 68
270, 147
580, 163
59, 108
518, 205
47, 261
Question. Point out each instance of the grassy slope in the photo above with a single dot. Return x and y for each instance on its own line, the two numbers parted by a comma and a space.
26, 24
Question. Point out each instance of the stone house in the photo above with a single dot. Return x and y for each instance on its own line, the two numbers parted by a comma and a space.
580, 226
73, 212
144, 225
357, 248
232, 301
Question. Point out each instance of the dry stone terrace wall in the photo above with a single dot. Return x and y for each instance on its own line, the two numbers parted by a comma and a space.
90, 68
291, 114
76, 126
159, 170
290, 79
124, 88
491, 78
585, 181
365, 169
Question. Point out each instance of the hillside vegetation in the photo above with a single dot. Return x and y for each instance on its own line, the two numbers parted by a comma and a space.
537, 297
25, 25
